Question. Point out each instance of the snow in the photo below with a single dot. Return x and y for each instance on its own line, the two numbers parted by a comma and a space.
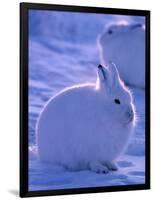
47, 177
63, 53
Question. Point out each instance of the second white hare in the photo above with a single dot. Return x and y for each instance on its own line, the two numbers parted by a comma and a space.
87, 126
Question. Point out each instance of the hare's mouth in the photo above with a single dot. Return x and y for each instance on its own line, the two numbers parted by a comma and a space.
130, 119
129, 116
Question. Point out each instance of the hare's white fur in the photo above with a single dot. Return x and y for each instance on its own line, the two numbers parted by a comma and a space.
125, 44
83, 128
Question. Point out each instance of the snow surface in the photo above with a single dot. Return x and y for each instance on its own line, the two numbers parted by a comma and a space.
63, 53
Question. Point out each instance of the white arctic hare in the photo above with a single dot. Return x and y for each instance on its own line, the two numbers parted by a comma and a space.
87, 126
125, 44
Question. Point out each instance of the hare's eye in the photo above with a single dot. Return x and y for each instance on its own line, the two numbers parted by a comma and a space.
110, 31
117, 101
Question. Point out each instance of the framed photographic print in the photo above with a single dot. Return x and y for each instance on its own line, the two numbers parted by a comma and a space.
84, 99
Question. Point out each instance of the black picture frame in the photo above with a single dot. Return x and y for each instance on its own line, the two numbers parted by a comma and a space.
24, 7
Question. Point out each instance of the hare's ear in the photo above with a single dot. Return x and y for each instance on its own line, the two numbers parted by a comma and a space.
103, 75
113, 72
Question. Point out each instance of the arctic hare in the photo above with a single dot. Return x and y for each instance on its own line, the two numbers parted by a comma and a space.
125, 44
87, 126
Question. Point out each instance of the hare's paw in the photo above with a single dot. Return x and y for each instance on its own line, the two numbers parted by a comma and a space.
98, 167
112, 166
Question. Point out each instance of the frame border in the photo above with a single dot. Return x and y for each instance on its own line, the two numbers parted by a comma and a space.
24, 7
